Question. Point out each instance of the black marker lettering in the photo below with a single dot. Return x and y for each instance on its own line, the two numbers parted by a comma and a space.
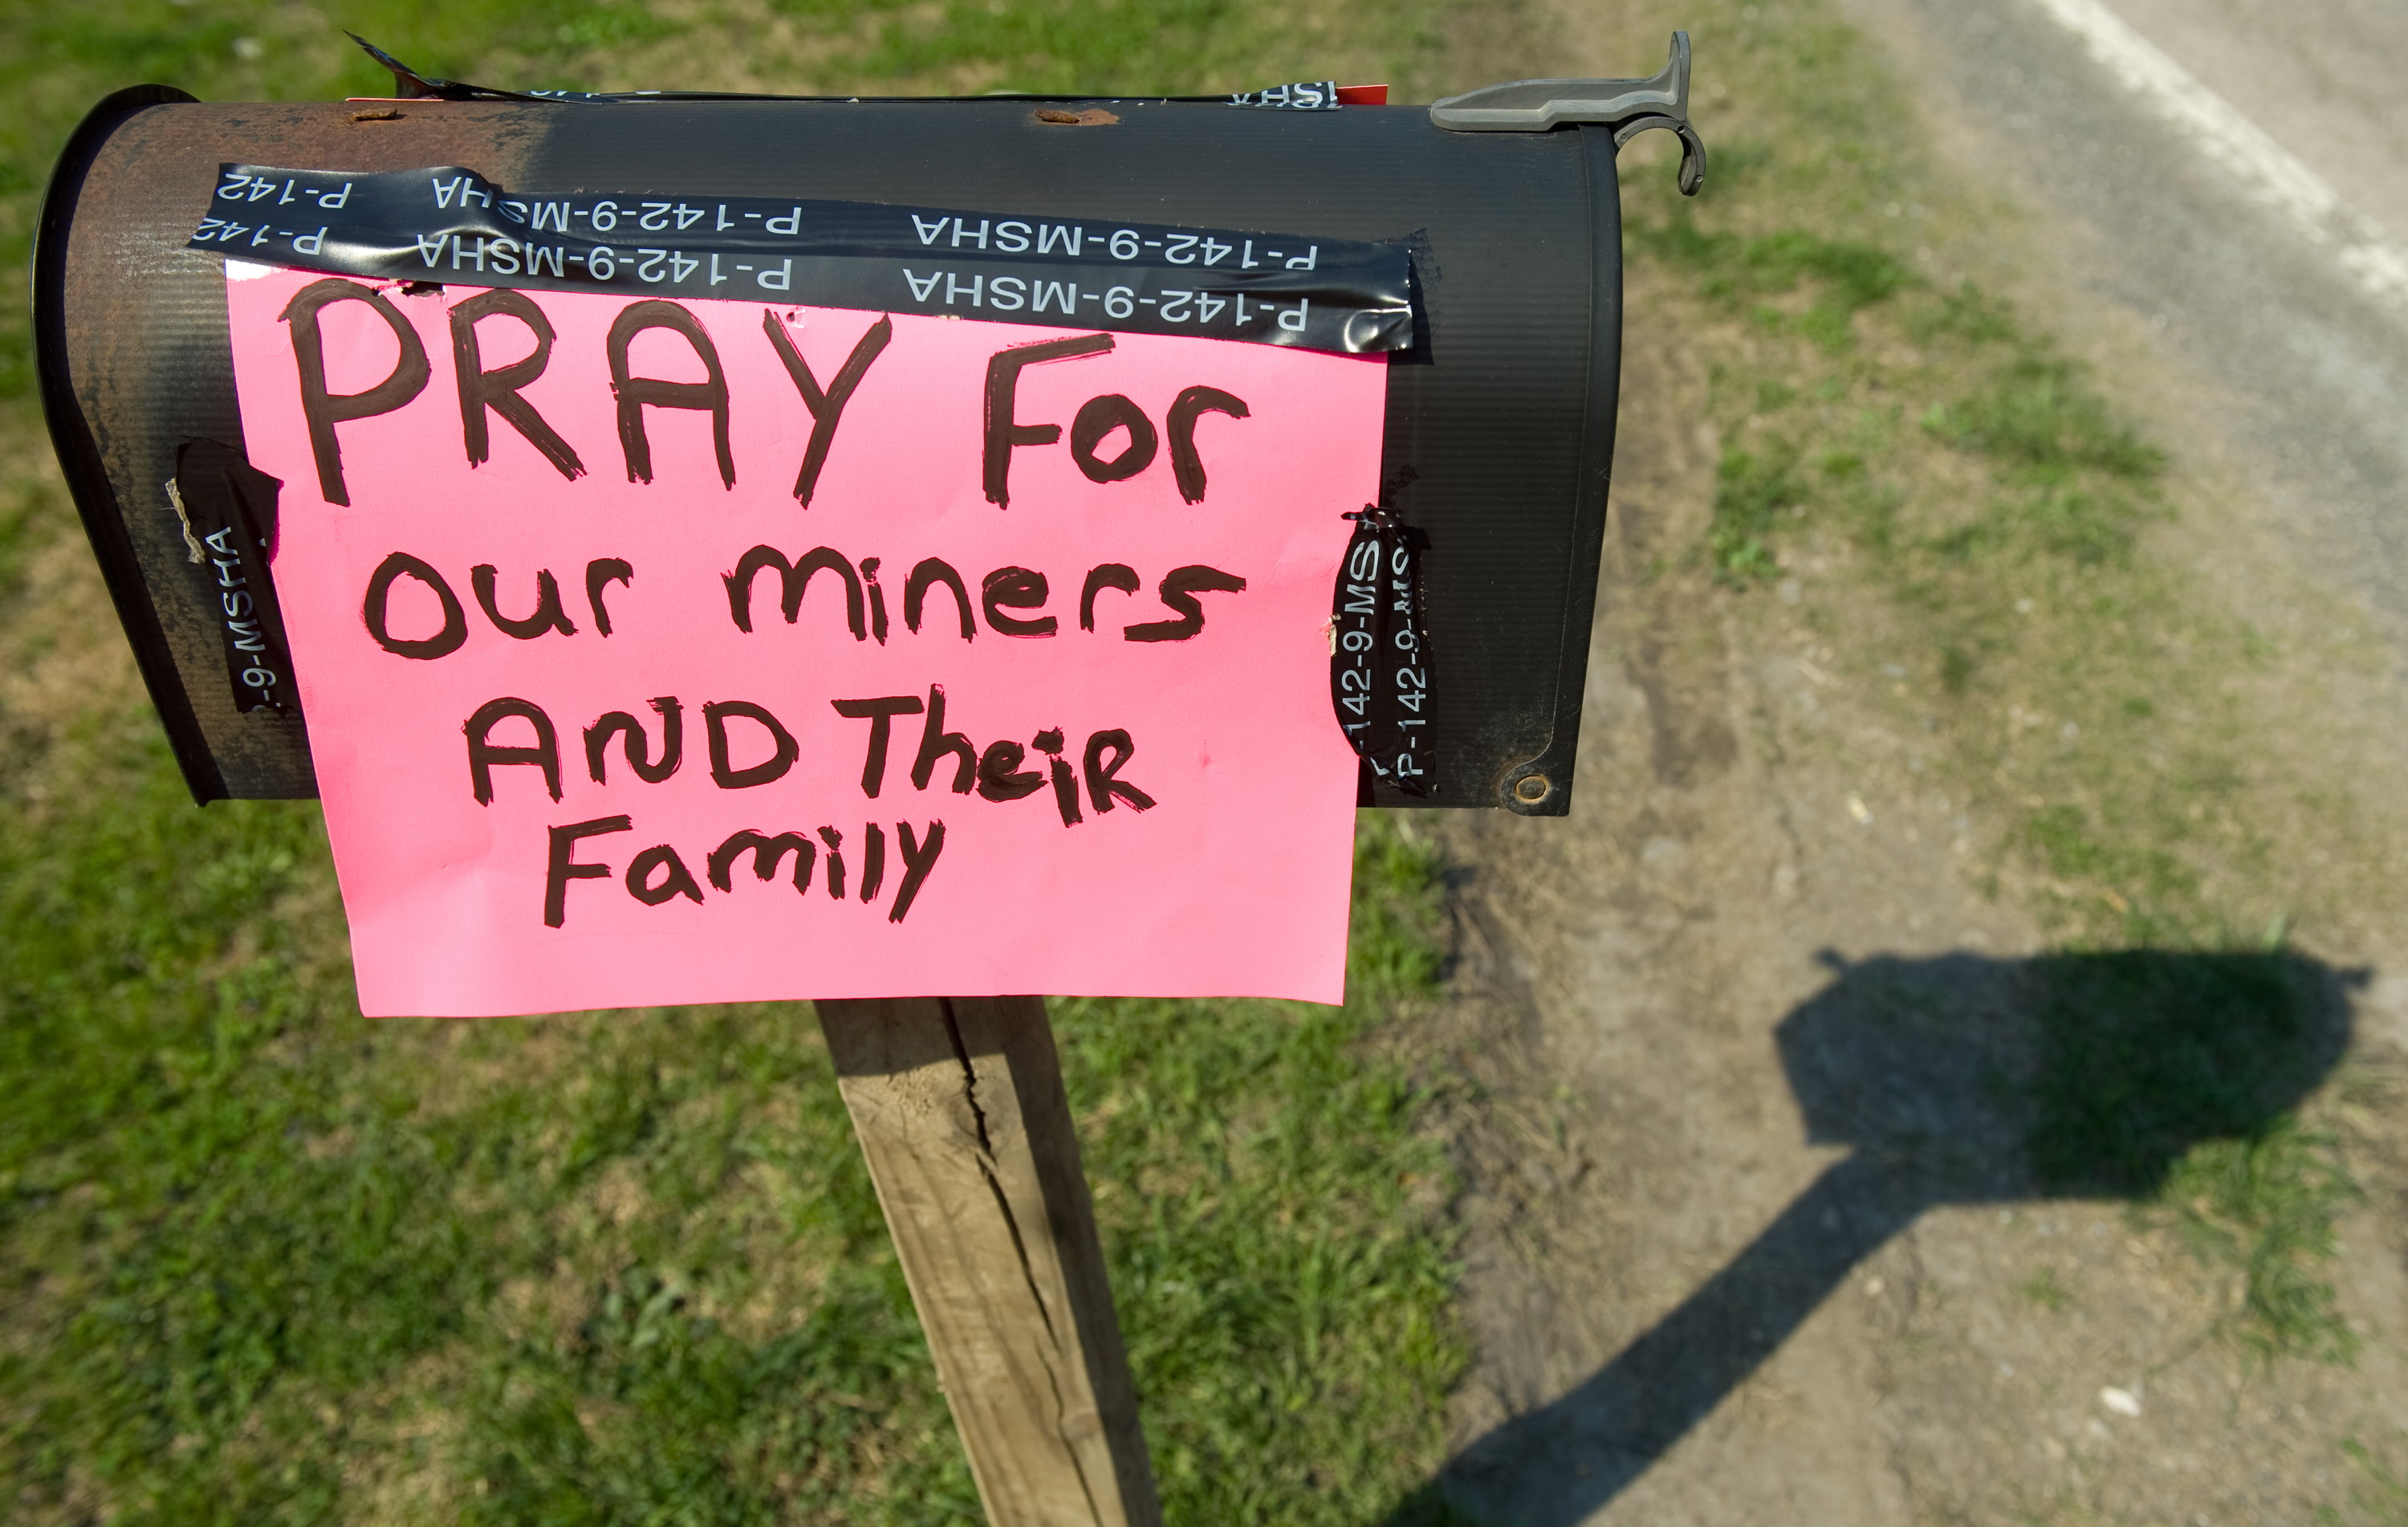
877, 599
726, 774
324, 409
795, 577
498, 389
1001, 776
678, 882
1066, 780
1109, 575
767, 855
484, 753
827, 406
373, 612
1179, 588
1186, 466
547, 616
601, 573
564, 867
880, 715
918, 860
597, 741
635, 393
1101, 784
835, 841
915, 590
935, 741
1015, 588
1097, 419
873, 862
1003, 431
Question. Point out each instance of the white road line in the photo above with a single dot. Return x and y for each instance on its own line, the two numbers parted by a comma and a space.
2268, 171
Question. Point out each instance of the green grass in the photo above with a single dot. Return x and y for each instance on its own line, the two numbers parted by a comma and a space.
1841, 277
261, 1256
261, 1261
2262, 1208
1751, 491
2380, 1493
2043, 1290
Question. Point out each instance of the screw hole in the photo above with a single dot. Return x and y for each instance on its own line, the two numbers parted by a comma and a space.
1531, 789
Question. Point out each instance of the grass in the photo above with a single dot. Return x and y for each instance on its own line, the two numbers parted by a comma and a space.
261, 1261
2262, 1208
267, 1261
1959, 516
2380, 1493
2044, 1291
1751, 491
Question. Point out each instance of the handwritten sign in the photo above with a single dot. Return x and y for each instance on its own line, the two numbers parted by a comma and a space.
687, 651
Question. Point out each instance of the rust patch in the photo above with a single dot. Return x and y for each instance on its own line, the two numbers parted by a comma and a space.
1095, 116
389, 114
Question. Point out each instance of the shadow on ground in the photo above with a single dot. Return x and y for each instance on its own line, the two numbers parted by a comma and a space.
1956, 1080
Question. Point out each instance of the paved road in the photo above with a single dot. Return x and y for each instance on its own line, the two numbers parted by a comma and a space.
2322, 78
2234, 173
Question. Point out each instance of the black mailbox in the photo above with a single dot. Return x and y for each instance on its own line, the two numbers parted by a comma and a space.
1501, 412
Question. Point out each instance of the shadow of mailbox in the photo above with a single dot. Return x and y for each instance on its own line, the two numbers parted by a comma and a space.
1954, 1080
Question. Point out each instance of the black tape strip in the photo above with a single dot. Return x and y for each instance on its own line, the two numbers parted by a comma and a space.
229, 509
451, 225
1304, 96
1378, 678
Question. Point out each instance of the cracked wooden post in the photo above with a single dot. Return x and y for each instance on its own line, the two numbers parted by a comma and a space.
959, 1107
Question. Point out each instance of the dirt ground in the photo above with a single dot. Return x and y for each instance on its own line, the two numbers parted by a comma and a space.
1749, 1237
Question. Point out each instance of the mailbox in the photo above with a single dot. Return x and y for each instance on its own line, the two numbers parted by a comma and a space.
1500, 398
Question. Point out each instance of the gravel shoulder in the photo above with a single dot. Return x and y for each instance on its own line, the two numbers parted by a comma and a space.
1750, 1235
1697, 1293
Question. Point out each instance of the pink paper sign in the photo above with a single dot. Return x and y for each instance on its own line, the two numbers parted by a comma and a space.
710, 652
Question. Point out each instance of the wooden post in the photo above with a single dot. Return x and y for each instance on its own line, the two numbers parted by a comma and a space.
959, 1106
